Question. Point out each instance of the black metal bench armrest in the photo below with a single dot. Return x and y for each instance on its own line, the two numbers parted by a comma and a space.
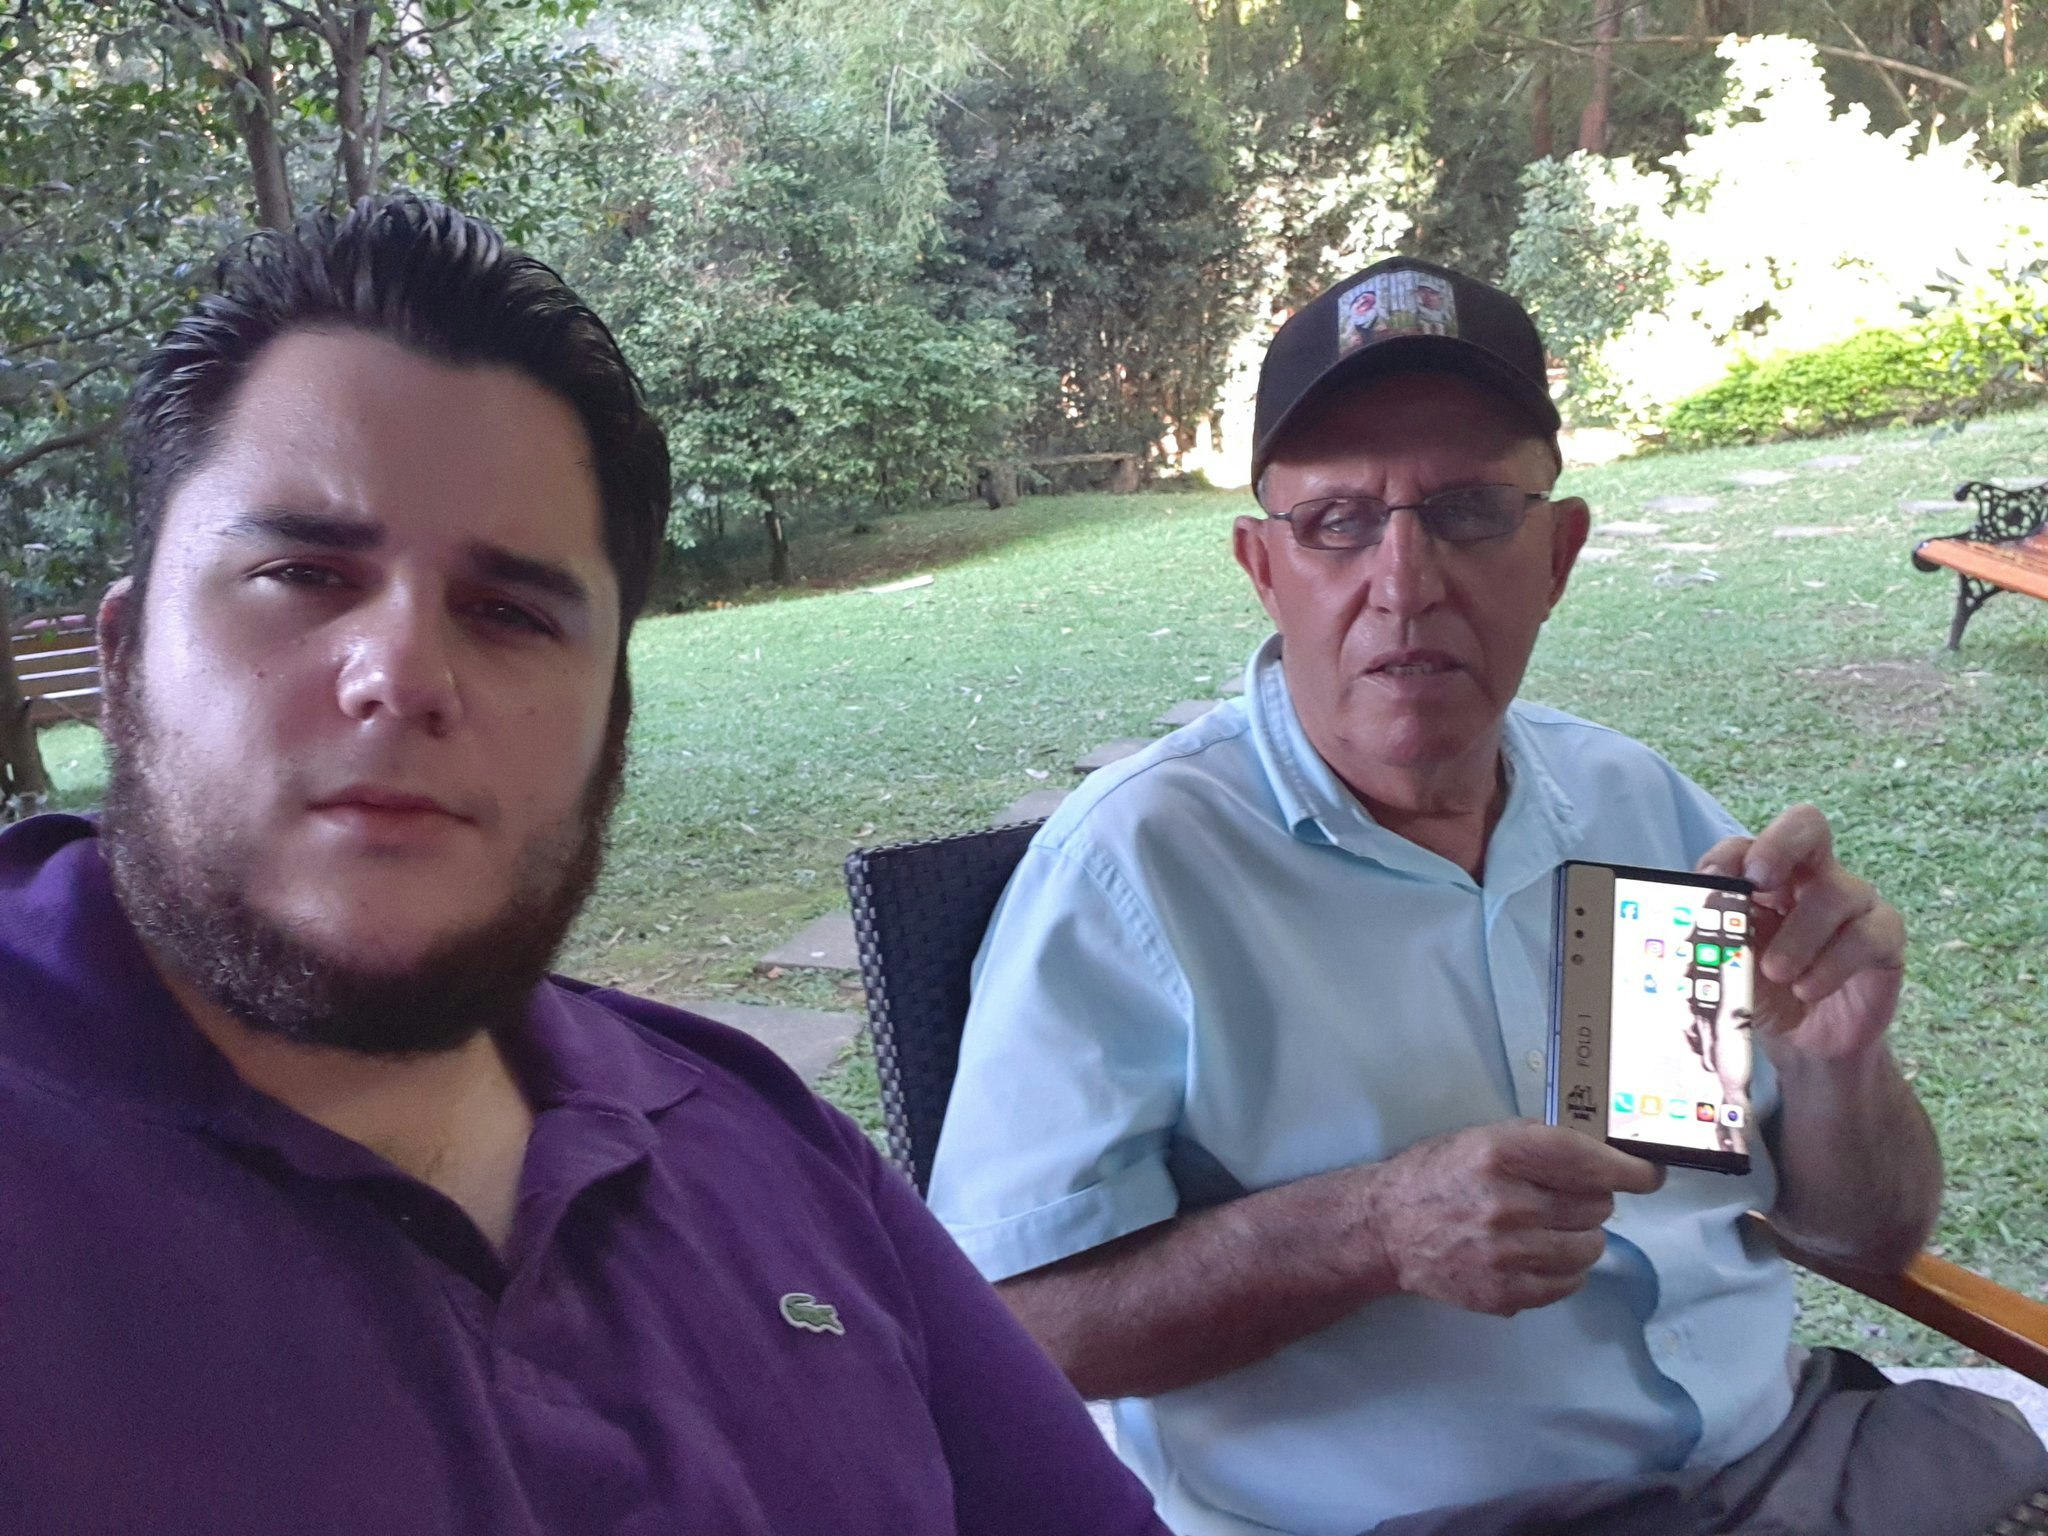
2003, 517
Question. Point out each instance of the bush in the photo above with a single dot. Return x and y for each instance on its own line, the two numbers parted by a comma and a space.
1954, 364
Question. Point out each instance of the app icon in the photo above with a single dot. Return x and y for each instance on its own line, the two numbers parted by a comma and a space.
1731, 1115
1710, 919
1682, 987
1738, 922
1654, 947
1708, 955
1707, 990
1652, 1104
1681, 951
1681, 917
1630, 911
1705, 1112
1678, 1109
1624, 1103
1650, 984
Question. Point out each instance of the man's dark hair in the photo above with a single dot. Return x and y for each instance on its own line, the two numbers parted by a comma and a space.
436, 281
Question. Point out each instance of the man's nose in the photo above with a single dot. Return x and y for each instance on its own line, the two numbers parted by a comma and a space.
400, 664
1408, 573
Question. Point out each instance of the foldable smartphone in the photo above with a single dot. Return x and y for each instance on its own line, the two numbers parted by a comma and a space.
1650, 1045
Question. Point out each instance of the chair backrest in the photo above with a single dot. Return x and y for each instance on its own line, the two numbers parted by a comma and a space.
919, 910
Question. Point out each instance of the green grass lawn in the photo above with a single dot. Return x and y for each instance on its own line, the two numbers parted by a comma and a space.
775, 736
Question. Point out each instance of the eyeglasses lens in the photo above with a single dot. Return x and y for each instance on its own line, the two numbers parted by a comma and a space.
1463, 516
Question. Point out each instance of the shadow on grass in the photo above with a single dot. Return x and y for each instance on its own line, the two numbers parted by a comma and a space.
837, 554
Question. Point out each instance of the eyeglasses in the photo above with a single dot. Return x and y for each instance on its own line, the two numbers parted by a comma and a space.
1469, 515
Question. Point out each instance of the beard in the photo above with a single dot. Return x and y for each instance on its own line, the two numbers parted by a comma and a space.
184, 886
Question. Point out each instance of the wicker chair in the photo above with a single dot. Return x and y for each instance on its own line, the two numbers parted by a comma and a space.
919, 910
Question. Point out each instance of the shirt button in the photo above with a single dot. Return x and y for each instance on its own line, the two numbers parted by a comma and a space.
1663, 1341
1535, 1061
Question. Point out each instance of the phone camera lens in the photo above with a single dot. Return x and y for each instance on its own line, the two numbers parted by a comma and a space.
1580, 934
1581, 911
1578, 959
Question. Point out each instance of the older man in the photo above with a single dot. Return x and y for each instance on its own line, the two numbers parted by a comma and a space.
324, 1208
1247, 1123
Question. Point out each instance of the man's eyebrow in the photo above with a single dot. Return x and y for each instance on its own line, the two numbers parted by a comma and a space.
320, 529
498, 563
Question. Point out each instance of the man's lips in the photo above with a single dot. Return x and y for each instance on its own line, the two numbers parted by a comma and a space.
1413, 663
380, 799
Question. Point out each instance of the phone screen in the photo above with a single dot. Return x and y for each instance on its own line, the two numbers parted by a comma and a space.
1683, 984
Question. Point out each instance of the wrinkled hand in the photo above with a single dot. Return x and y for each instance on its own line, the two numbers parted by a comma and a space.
1503, 1217
1831, 953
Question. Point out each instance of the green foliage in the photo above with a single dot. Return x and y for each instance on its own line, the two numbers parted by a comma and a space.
1587, 260
1784, 225
770, 292
1095, 207
129, 158
1954, 364
790, 404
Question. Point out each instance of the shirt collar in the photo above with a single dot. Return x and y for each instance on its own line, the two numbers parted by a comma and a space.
1536, 828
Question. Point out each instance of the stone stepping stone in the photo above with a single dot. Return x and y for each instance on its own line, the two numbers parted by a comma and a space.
1670, 504
2029, 1397
1629, 530
1233, 688
1681, 547
1035, 806
1111, 752
1807, 531
824, 945
1186, 712
1599, 556
1835, 461
806, 1038
1756, 479
2021, 482
1916, 507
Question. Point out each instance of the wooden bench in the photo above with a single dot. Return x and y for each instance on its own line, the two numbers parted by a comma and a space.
57, 662
996, 483
2007, 550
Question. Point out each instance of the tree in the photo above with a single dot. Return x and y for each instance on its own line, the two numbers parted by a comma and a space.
766, 275
1095, 208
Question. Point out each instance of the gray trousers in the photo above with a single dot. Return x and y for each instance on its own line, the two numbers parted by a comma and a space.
1856, 1456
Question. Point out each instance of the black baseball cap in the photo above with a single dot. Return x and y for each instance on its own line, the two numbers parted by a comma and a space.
1399, 316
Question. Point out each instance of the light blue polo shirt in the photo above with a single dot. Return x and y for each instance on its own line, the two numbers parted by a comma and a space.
1214, 972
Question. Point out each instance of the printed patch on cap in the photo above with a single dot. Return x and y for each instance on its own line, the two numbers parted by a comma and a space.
1398, 302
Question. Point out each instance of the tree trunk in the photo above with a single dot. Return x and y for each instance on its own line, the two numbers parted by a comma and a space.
256, 120
1593, 122
349, 39
998, 485
1542, 130
24, 781
778, 546
2014, 132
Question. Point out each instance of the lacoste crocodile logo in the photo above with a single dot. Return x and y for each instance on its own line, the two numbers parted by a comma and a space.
800, 1309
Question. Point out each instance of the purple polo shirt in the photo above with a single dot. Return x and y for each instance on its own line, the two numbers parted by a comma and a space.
217, 1317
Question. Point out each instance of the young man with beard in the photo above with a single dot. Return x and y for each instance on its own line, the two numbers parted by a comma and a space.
324, 1207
